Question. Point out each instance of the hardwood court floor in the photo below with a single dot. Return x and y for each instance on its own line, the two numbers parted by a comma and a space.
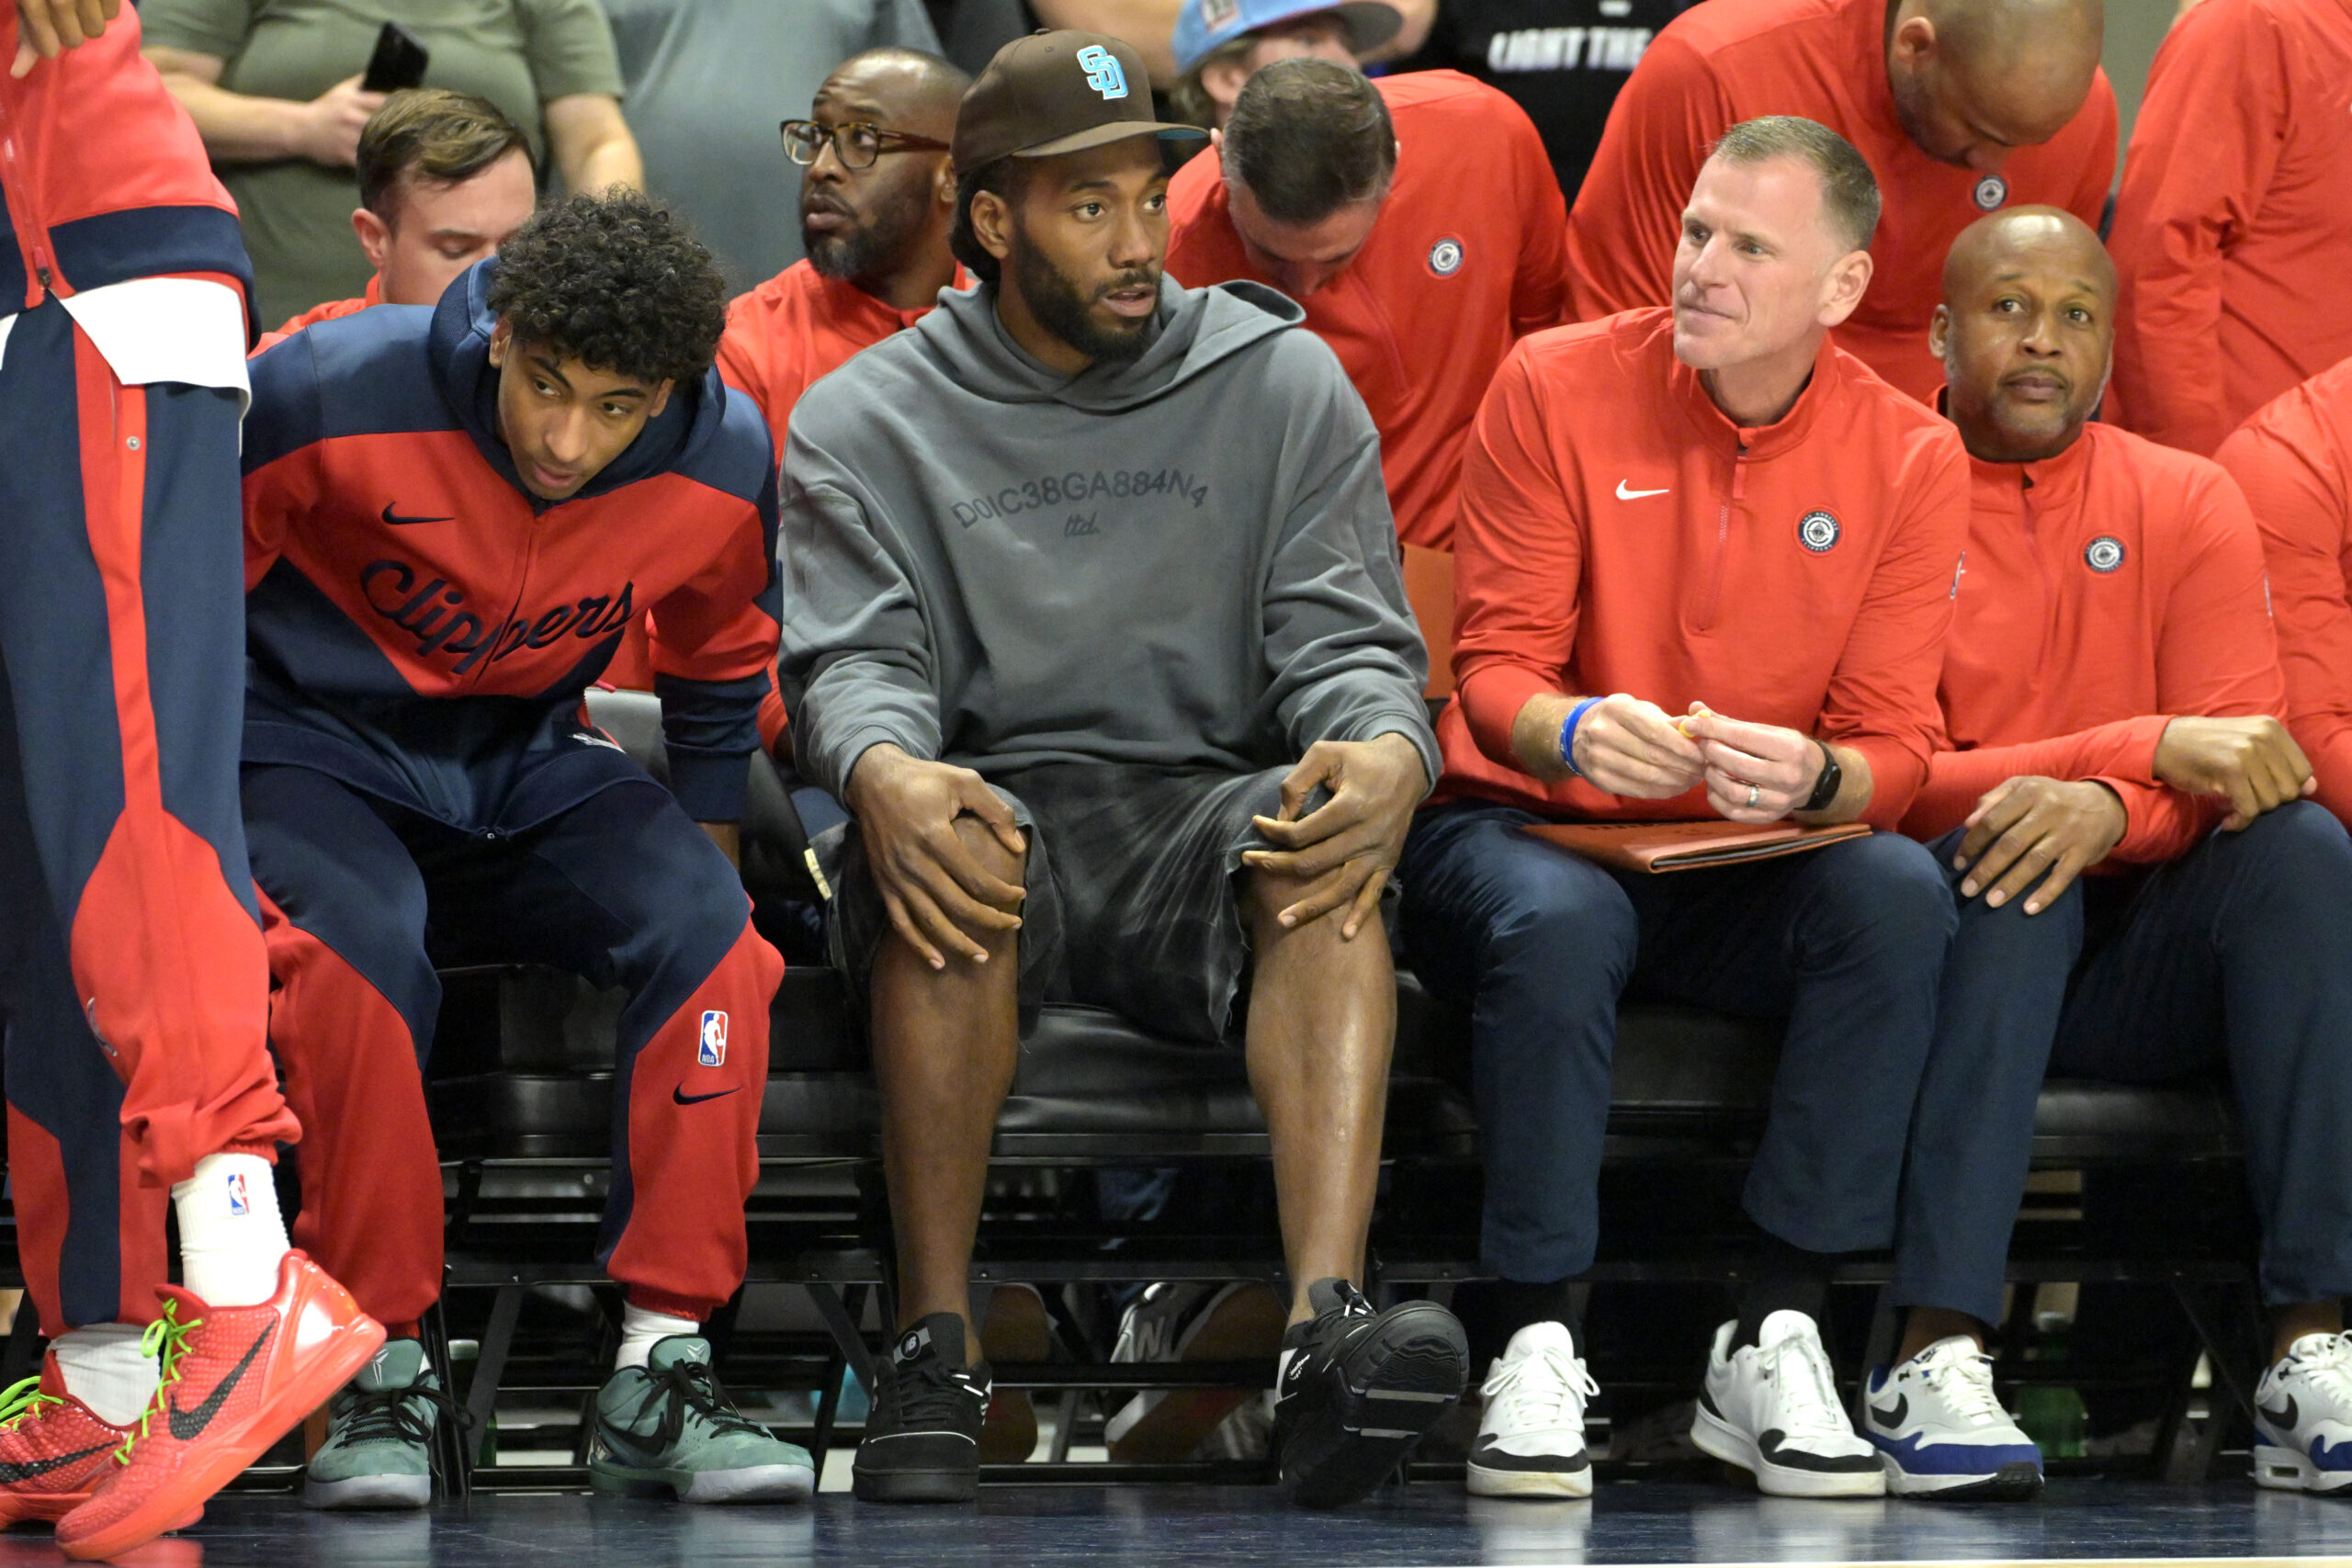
1646, 1522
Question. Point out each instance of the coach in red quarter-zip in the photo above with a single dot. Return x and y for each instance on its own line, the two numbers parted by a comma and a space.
1704, 568
451, 516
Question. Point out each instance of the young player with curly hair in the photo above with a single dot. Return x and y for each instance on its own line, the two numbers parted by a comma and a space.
451, 516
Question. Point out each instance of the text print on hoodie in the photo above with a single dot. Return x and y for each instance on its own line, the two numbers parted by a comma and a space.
1186, 560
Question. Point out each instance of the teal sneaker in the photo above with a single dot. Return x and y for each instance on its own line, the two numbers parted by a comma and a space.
669, 1426
379, 1452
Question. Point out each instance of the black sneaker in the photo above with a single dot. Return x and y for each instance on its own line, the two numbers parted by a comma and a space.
1357, 1389
922, 1440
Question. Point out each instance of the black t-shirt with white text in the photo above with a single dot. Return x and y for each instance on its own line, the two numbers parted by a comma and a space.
1561, 61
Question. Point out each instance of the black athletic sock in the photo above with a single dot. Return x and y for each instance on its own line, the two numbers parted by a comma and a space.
1493, 1310
1787, 1279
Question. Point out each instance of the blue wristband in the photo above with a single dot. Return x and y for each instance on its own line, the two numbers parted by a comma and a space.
1568, 735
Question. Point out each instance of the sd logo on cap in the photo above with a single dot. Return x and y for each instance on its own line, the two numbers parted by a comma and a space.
1053, 93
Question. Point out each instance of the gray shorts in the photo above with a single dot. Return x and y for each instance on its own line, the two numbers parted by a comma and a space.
1132, 905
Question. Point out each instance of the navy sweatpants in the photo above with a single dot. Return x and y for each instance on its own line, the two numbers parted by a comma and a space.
2238, 952
623, 888
132, 976
1845, 942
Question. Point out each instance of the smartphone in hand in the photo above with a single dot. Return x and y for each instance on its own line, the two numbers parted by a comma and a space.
398, 62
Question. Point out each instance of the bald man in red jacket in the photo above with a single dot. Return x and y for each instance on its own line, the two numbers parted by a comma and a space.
2111, 688
1962, 107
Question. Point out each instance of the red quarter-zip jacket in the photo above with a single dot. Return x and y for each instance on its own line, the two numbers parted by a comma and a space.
103, 175
2294, 461
1466, 258
2108, 590
1618, 534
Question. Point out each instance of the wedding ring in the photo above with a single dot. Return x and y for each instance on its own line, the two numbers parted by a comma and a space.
1754, 795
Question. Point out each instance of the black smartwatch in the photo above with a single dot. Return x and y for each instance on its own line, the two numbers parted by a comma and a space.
1824, 789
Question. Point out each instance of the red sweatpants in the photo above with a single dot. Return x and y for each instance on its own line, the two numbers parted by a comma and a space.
132, 974
623, 888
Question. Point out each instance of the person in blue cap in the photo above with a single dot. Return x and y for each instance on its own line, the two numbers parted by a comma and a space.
1220, 44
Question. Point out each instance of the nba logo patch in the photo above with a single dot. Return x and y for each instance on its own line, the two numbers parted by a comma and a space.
238, 1202
1991, 191
714, 1040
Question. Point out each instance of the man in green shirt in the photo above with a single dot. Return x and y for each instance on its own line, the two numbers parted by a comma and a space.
274, 88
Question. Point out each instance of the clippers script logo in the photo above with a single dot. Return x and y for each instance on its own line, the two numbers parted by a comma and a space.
2104, 554
1445, 256
238, 1202
714, 1040
1817, 531
1991, 191
1103, 72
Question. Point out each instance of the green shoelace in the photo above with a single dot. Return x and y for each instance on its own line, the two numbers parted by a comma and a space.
19, 1401
166, 1340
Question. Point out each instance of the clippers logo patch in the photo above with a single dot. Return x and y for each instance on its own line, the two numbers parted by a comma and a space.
1817, 531
238, 1202
1991, 191
1104, 71
2104, 554
713, 1053
1445, 256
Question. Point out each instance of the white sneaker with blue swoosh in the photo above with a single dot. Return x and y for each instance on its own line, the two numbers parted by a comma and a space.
1940, 1430
2303, 1418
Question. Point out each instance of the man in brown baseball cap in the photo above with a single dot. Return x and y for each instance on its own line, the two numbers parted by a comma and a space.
1097, 628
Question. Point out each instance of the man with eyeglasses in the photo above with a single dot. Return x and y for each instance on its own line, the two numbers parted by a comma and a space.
876, 201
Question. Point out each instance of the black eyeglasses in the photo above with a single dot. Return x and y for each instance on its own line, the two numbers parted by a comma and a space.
855, 145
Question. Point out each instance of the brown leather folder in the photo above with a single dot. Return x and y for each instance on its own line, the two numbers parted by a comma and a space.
1656, 847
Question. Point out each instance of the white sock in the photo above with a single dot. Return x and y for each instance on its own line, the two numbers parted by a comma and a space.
231, 1238
104, 1369
640, 1328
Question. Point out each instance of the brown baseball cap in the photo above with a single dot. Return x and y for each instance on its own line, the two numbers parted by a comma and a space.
1057, 92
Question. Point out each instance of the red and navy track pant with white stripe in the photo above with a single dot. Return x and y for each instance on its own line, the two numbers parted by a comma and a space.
132, 973
623, 888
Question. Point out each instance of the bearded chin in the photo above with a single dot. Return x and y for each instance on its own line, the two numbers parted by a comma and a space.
1062, 308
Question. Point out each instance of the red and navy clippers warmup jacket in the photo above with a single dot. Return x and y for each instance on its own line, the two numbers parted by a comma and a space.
422, 627
104, 176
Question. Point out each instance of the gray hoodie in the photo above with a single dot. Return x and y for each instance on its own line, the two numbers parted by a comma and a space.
1186, 560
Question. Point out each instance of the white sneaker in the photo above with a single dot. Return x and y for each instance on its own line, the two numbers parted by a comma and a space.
2302, 1427
1941, 1431
1771, 1409
1531, 1438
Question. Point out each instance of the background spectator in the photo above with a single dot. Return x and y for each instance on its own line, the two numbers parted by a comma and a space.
1220, 44
707, 81
2234, 219
274, 88
1561, 61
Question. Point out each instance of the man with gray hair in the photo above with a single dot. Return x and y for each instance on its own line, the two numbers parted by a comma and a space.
1703, 568
1383, 207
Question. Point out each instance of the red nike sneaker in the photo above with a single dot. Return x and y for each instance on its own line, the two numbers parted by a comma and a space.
234, 1380
53, 1449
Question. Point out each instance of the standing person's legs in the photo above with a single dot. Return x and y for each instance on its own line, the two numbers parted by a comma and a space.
1848, 943
2242, 950
122, 631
